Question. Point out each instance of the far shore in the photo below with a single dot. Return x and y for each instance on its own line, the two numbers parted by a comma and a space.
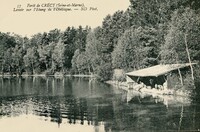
43, 75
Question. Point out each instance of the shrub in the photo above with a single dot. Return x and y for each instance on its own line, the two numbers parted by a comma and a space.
104, 72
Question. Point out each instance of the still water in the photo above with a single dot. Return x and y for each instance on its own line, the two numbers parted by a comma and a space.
81, 104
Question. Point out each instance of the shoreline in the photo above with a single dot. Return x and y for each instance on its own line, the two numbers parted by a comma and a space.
152, 91
43, 75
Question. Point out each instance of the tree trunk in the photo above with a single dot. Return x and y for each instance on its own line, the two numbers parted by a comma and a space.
2, 69
179, 72
10, 70
52, 66
33, 67
63, 71
47, 83
46, 65
89, 69
19, 69
93, 68
26, 70
181, 78
188, 54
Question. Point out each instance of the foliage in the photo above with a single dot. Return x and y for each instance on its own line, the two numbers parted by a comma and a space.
47, 52
137, 48
147, 33
119, 75
31, 60
80, 62
184, 29
93, 50
58, 55
17, 58
104, 72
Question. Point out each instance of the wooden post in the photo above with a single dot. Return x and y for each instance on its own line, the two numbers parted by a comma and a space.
188, 54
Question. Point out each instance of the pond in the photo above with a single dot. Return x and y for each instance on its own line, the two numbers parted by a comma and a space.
83, 104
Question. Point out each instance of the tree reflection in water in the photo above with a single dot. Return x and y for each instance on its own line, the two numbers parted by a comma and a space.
79, 101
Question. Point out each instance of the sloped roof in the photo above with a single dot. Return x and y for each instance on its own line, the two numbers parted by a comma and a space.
157, 70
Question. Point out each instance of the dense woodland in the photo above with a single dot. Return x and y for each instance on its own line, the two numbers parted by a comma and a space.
149, 32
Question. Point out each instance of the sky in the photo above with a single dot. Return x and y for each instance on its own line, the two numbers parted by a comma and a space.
28, 23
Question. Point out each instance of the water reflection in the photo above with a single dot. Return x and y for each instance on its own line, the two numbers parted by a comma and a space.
81, 102
167, 100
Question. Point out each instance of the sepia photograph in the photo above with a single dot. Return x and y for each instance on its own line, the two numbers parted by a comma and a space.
99, 65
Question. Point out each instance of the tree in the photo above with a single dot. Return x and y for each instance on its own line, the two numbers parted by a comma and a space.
31, 60
184, 30
151, 13
182, 40
36, 40
74, 61
113, 26
80, 62
80, 38
8, 61
6, 43
104, 72
93, 50
137, 48
68, 39
58, 56
54, 36
46, 56
17, 57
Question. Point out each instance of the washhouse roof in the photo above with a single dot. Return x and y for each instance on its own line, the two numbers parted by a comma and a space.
157, 70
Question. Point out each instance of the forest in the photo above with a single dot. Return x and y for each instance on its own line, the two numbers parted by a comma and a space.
147, 33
